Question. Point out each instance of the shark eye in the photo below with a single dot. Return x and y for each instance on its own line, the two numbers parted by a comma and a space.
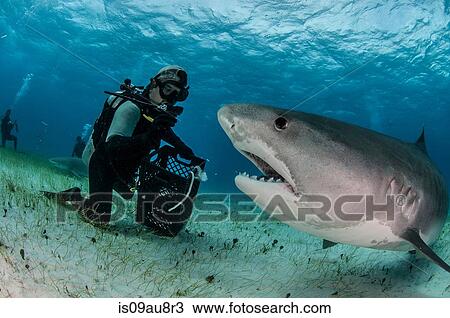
281, 123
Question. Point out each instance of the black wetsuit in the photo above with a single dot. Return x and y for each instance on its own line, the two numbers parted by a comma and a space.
114, 162
78, 149
6, 127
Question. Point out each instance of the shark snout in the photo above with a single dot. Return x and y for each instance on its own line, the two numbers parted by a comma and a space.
225, 117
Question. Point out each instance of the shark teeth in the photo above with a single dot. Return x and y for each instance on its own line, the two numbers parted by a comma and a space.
262, 178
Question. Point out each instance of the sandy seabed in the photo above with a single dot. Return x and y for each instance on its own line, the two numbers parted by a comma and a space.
42, 258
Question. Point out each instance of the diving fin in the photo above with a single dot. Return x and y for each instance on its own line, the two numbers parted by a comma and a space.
327, 244
412, 236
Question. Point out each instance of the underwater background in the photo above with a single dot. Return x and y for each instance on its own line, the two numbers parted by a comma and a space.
384, 65
380, 64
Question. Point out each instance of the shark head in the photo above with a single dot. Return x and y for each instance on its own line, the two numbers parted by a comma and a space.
264, 136
298, 153
72, 165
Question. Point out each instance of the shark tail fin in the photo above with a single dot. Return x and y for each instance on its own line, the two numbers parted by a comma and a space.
412, 236
327, 244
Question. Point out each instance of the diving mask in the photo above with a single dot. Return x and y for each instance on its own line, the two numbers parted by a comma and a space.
172, 92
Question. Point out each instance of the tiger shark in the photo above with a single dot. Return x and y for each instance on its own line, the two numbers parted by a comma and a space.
338, 181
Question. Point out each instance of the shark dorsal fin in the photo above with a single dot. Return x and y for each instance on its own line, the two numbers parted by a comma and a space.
420, 143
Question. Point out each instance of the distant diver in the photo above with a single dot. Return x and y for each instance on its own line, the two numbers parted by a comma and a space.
79, 147
133, 122
24, 88
6, 127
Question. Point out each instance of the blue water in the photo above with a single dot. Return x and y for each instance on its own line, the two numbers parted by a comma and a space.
389, 62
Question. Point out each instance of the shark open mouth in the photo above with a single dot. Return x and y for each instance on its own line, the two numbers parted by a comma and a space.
270, 174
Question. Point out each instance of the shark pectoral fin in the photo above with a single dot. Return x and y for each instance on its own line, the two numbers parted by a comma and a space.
412, 236
327, 244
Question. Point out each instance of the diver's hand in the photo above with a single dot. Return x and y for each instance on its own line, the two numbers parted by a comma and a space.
186, 153
196, 161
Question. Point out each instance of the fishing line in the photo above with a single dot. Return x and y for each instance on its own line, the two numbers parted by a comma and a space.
412, 264
331, 84
73, 54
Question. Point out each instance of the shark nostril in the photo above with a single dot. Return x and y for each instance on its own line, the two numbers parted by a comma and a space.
232, 126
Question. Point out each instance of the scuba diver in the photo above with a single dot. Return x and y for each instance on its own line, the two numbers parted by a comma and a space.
131, 124
6, 127
78, 149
